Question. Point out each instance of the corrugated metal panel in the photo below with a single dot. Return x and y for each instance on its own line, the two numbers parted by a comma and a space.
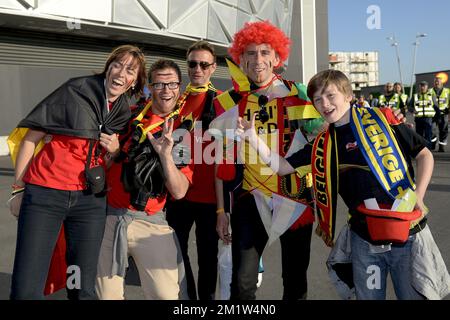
28, 55
59, 51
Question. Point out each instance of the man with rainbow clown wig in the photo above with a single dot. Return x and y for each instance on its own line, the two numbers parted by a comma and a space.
265, 206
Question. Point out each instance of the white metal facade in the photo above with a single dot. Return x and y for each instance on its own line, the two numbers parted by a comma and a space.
214, 20
65, 38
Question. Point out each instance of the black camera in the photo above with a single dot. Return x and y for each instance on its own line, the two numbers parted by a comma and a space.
263, 115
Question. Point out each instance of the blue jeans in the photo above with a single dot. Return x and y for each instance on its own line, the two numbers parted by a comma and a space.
42, 214
370, 270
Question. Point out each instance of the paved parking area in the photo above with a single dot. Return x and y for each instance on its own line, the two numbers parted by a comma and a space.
437, 199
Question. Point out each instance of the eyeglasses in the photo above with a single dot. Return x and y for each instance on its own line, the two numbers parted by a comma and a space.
161, 85
203, 64
263, 115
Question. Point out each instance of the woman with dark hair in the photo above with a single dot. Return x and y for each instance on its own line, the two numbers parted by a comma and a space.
63, 184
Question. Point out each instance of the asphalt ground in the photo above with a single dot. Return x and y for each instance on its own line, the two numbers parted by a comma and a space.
320, 288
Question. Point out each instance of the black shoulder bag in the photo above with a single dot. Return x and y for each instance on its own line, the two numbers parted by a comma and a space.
95, 176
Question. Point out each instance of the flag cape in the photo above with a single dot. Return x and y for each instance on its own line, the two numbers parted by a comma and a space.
77, 108
277, 213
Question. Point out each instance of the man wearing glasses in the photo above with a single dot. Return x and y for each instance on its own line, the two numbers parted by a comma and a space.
199, 204
139, 181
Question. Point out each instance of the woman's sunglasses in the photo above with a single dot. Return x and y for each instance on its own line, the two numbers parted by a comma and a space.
203, 64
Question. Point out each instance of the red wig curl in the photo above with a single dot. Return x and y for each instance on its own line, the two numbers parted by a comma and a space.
260, 32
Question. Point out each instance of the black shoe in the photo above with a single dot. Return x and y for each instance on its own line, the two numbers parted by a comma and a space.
441, 148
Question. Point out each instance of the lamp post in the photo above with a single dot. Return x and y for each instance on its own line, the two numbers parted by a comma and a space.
416, 44
395, 44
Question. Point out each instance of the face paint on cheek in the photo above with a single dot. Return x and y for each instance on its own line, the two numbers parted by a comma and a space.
129, 84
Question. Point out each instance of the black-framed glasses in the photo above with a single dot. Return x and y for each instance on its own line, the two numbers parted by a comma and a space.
263, 115
161, 85
203, 64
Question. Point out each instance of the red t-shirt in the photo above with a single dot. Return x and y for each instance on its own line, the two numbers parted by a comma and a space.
203, 189
61, 163
119, 198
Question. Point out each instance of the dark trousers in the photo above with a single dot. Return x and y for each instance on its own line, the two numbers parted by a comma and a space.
42, 214
249, 240
424, 127
295, 252
442, 123
181, 215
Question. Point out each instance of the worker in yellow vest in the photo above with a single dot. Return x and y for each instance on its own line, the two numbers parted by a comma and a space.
424, 107
442, 96
390, 99
398, 89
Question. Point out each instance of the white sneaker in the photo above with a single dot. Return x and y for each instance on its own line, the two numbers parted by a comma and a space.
260, 278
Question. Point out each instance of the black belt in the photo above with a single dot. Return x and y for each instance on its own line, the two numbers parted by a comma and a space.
418, 227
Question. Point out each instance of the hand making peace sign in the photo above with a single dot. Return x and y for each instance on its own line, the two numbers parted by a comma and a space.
164, 144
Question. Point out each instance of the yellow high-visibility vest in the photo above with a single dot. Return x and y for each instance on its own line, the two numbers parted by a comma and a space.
423, 105
443, 99
393, 103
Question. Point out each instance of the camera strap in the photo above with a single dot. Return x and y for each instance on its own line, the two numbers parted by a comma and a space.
89, 158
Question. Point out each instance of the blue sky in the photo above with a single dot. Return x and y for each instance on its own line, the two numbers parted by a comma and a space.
348, 31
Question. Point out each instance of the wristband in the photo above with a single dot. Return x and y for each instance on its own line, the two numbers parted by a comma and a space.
220, 211
16, 186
